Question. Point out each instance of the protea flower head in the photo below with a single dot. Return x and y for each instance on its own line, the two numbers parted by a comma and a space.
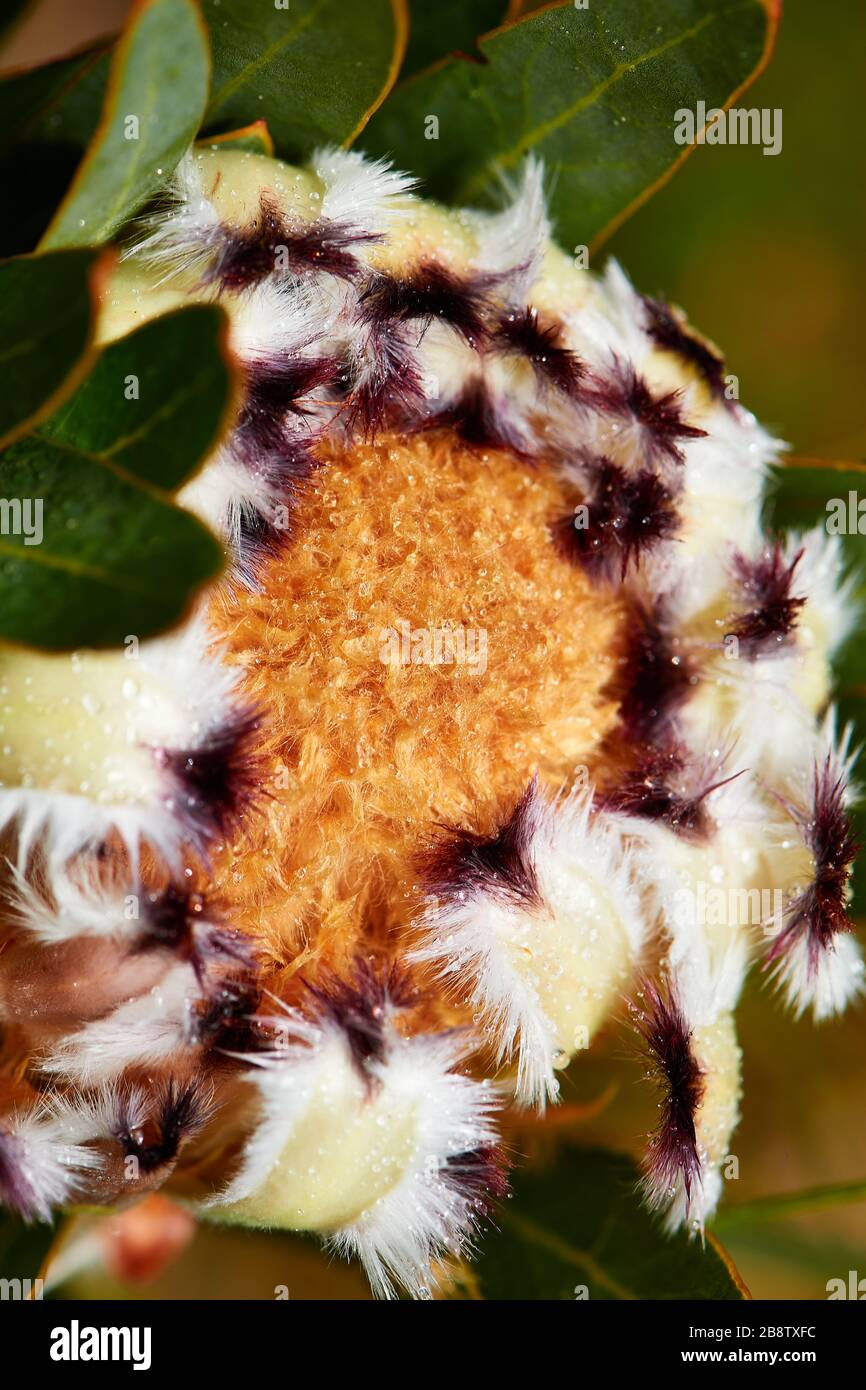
506, 712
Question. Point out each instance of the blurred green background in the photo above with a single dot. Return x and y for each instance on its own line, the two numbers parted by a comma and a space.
766, 255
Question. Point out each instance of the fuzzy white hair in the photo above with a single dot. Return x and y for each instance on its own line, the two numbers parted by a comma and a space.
82, 906
707, 967
827, 985
364, 194
147, 1031
193, 687
512, 243
182, 237
766, 719
696, 1208
45, 1167
281, 316
612, 323
82, 1117
423, 1216
773, 728
64, 825
821, 579
474, 941
227, 495
720, 506
286, 1079
467, 942
829, 979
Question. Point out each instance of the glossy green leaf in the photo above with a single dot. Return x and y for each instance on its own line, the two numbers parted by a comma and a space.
46, 313
255, 138
448, 27
155, 402
64, 96
577, 1229
114, 556
831, 496
313, 68
47, 117
157, 92
108, 552
591, 91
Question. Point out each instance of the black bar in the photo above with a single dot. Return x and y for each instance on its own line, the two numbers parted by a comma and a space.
221, 1339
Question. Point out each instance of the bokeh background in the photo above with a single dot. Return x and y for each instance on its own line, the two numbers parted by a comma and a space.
767, 256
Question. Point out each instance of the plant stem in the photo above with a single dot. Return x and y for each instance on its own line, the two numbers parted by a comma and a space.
790, 1204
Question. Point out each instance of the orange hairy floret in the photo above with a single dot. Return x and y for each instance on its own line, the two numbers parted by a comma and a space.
365, 759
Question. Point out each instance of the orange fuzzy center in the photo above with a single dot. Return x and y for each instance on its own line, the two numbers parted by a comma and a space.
419, 649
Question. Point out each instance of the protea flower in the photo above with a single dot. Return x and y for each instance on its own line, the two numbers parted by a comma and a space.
506, 712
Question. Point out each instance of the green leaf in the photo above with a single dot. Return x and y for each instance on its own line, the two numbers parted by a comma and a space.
47, 118
156, 401
592, 91
115, 555
157, 91
64, 96
787, 1204
315, 69
46, 318
800, 500
447, 27
24, 1249
256, 138
578, 1224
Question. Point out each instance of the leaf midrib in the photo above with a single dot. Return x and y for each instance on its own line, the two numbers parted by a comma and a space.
169, 408
263, 59
35, 555
582, 1260
471, 187
151, 490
